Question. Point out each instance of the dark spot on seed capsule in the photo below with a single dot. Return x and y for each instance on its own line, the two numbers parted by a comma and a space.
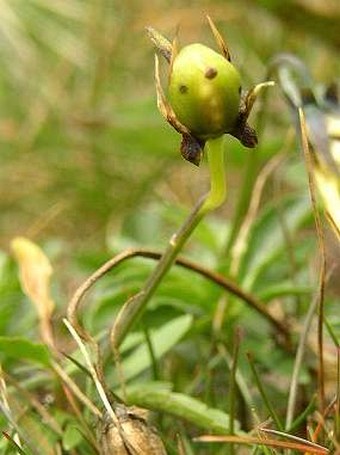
210, 73
183, 88
239, 90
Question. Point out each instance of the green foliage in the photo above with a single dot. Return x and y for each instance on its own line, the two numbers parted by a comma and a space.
159, 397
72, 437
161, 341
23, 349
267, 244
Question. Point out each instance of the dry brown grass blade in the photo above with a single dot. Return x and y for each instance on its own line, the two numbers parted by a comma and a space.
35, 273
337, 402
5, 404
88, 431
180, 446
306, 447
48, 418
118, 434
322, 426
92, 369
334, 225
76, 390
322, 272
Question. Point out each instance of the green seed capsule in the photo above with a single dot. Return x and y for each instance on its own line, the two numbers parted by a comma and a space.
204, 91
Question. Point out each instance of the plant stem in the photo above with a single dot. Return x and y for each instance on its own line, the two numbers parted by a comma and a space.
263, 394
323, 262
134, 307
218, 188
298, 363
233, 388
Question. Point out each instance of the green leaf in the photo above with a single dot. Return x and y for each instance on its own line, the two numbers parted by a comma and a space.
282, 289
162, 340
23, 349
267, 240
72, 437
159, 397
36, 437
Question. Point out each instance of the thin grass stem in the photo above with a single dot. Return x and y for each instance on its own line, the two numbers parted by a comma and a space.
263, 394
233, 389
294, 383
322, 271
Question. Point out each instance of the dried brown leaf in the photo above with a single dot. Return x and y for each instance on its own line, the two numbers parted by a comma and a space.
35, 273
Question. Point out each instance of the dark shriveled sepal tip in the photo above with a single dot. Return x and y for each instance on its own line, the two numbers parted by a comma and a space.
192, 149
244, 132
248, 137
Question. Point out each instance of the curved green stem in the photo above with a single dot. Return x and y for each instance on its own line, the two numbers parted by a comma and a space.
218, 187
133, 308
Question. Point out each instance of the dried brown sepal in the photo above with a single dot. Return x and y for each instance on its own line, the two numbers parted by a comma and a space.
164, 107
219, 40
162, 44
192, 149
173, 54
252, 95
245, 133
242, 130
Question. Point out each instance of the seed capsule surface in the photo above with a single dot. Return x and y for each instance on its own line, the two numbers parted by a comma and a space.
204, 91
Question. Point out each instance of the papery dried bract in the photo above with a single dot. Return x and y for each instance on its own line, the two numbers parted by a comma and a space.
35, 274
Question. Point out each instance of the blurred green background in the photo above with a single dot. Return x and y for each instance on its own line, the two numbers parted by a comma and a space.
89, 167
82, 145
